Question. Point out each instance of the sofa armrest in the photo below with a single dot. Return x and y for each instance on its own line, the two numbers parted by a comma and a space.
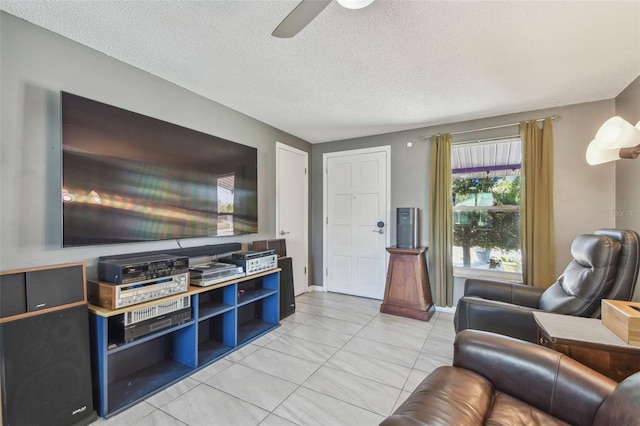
497, 317
539, 376
401, 420
518, 294
622, 407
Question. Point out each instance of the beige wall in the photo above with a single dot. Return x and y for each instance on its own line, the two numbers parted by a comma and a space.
627, 210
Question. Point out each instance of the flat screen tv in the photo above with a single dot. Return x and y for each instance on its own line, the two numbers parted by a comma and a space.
127, 177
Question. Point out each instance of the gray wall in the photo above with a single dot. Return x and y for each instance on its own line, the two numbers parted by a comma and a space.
628, 171
35, 65
582, 194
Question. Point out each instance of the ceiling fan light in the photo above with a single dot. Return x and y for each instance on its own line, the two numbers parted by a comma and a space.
354, 4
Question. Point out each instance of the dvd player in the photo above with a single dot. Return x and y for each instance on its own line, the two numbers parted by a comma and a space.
208, 274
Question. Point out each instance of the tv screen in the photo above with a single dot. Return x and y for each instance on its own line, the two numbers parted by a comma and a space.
127, 177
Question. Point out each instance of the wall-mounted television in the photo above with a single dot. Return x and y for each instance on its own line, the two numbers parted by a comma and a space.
127, 177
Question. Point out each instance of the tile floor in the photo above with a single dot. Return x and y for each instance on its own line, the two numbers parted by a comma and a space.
336, 361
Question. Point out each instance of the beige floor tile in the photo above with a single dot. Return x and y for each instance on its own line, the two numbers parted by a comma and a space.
310, 408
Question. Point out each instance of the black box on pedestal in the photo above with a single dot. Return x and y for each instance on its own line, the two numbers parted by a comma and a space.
407, 227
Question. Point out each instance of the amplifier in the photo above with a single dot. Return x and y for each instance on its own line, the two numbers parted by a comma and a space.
114, 296
252, 254
140, 322
124, 270
254, 264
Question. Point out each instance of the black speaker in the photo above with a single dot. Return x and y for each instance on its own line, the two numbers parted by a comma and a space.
47, 288
46, 369
287, 294
406, 227
279, 245
34, 289
13, 294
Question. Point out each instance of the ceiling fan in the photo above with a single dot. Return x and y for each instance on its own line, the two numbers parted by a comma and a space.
306, 11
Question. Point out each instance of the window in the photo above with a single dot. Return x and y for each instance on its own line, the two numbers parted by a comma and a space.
225, 204
486, 188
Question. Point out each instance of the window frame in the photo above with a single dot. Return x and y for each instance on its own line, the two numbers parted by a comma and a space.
469, 272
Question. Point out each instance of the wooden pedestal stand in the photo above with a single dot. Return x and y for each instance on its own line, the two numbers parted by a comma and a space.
407, 291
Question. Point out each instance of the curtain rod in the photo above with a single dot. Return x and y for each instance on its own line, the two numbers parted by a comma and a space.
486, 140
426, 138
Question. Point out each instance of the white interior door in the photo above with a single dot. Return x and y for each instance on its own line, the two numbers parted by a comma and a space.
292, 211
356, 221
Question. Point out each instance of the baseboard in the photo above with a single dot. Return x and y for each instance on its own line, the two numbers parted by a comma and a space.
446, 309
316, 288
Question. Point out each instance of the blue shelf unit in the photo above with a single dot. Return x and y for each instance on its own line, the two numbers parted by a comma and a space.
224, 317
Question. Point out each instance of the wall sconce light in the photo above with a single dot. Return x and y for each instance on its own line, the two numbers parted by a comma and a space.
354, 4
615, 139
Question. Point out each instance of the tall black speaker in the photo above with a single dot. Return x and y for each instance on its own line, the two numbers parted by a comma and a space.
45, 357
407, 227
47, 369
287, 294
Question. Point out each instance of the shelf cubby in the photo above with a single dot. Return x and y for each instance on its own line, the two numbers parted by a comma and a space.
216, 301
255, 318
255, 289
139, 371
216, 337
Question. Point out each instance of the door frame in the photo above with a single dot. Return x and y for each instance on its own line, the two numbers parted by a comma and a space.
325, 214
281, 146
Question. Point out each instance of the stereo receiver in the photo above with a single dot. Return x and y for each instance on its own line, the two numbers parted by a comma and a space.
254, 262
114, 296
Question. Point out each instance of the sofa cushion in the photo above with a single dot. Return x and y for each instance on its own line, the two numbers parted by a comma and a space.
448, 396
509, 411
456, 396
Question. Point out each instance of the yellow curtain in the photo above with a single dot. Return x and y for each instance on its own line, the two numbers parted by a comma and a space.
441, 221
537, 230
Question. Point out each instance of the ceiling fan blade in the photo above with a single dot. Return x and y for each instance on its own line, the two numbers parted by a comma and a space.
299, 18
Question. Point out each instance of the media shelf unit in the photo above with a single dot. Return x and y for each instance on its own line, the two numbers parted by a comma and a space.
225, 317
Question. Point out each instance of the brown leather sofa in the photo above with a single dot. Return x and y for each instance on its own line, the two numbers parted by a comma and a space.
499, 380
605, 266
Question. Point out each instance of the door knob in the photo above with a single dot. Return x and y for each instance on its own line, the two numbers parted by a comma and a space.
284, 233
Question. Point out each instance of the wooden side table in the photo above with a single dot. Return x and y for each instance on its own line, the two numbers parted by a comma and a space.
407, 291
589, 341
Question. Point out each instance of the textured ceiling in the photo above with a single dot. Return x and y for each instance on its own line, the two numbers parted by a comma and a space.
392, 66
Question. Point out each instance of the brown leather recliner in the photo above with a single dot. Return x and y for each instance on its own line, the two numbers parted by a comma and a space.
605, 266
499, 380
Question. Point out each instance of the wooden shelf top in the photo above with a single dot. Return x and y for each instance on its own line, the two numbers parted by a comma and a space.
105, 312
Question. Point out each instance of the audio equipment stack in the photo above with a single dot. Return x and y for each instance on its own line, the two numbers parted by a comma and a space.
129, 280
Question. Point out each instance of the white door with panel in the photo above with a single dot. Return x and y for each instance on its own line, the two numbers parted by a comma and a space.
356, 221
292, 209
